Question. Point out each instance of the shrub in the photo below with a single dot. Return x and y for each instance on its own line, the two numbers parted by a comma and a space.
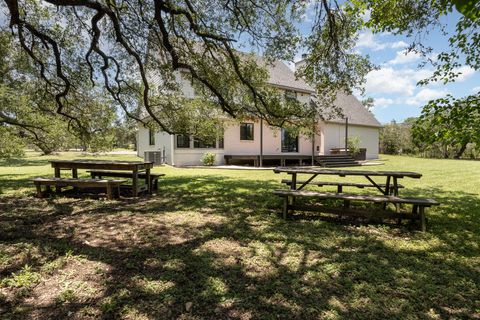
353, 144
208, 159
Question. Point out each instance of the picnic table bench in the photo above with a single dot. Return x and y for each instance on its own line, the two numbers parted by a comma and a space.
125, 174
341, 184
112, 187
417, 213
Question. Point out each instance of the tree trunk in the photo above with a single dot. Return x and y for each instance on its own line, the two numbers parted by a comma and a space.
461, 150
46, 150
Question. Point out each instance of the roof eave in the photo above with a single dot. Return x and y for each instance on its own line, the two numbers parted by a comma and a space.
354, 124
291, 88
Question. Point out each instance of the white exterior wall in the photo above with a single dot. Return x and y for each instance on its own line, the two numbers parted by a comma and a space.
193, 157
272, 142
174, 156
162, 140
334, 137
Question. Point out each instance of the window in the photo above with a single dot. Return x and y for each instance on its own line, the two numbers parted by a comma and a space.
246, 131
289, 141
151, 137
220, 143
183, 141
209, 143
221, 134
290, 94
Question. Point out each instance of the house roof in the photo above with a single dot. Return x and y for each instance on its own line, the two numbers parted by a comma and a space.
354, 110
281, 75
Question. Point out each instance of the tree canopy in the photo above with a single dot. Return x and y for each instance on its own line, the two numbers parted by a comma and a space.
116, 43
134, 49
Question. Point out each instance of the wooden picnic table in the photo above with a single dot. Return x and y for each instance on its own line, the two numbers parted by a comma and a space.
389, 192
391, 184
134, 166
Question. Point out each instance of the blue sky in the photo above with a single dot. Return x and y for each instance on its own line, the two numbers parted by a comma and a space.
393, 85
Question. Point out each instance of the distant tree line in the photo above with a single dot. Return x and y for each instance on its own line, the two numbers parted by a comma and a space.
421, 137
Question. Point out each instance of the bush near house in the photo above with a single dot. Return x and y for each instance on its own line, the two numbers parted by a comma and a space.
208, 159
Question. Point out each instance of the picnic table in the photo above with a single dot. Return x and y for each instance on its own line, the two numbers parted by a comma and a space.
389, 193
391, 185
133, 166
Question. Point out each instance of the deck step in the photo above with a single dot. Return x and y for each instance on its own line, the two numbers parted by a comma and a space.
333, 160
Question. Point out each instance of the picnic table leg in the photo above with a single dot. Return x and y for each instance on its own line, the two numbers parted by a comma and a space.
57, 175
39, 190
394, 191
109, 191
75, 176
148, 180
395, 186
293, 186
285, 208
135, 182
423, 224
387, 191
414, 214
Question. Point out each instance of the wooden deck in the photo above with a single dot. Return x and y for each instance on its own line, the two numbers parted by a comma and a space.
281, 160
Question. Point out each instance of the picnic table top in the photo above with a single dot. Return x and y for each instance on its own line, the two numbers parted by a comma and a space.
323, 171
101, 164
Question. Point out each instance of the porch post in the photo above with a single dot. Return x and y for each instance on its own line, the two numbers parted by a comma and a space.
313, 143
346, 135
261, 143
172, 149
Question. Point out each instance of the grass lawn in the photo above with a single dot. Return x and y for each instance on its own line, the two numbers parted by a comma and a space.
211, 245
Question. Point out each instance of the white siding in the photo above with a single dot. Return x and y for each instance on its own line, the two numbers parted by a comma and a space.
162, 141
272, 142
193, 157
334, 135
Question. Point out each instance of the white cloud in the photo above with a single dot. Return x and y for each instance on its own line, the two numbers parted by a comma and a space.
389, 80
368, 40
404, 57
382, 102
465, 72
425, 95
394, 81
398, 44
476, 89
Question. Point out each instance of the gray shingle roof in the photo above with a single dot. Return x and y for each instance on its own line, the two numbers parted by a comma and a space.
282, 76
354, 110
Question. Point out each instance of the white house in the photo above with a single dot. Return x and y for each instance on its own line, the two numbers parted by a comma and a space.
250, 139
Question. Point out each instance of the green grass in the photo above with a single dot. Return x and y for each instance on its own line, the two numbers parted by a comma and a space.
210, 245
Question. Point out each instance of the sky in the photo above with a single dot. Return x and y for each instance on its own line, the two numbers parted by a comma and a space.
394, 85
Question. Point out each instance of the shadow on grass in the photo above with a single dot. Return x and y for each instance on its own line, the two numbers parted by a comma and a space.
212, 247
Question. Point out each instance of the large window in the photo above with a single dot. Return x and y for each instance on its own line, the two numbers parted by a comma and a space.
204, 143
151, 137
246, 131
290, 94
289, 141
183, 141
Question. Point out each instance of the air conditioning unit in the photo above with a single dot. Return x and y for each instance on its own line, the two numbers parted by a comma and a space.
157, 157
